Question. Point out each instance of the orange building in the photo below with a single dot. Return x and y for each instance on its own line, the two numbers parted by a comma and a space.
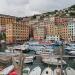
6, 19
56, 26
52, 29
63, 32
62, 25
17, 32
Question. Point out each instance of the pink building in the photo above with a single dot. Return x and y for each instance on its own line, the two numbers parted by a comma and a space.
61, 20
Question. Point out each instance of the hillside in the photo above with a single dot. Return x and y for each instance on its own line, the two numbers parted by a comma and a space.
70, 11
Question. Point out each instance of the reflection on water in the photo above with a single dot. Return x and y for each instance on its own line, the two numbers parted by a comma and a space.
38, 62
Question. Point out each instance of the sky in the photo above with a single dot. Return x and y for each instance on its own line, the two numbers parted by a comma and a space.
22, 8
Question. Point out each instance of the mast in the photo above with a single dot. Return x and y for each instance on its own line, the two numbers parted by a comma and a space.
61, 57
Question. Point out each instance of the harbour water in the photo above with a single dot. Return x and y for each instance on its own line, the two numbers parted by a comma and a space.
38, 62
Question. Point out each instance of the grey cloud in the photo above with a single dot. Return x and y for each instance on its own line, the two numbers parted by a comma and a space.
48, 5
17, 2
30, 7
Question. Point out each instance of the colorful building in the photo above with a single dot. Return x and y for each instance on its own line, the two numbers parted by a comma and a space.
62, 27
39, 33
6, 19
71, 28
17, 32
52, 37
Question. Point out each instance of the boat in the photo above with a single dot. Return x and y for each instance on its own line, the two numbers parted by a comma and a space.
52, 61
8, 54
70, 47
23, 48
33, 43
43, 52
36, 71
26, 71
70, 71
28, 59
14, 72
57, 71
36, 47
47, 71
71, 52
7, 70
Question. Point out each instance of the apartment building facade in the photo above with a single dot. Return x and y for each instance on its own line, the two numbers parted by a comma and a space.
39, 33
71, 28
17, 32
4, 20
52, 37
62, 27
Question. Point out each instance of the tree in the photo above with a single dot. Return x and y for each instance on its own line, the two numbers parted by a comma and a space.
4, 36
72, 14
0, 36
72, 7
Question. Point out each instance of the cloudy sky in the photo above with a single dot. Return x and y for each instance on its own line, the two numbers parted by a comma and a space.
30, 7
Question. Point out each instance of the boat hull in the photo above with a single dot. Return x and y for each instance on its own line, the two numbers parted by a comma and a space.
36, 71
47, 71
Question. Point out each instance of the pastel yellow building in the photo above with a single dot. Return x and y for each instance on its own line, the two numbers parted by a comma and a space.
39, 33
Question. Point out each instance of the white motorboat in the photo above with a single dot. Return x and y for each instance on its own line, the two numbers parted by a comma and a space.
23, 48
7, 70
28, 59
52, 60
57, 71
36, 71
72, 52
71, 47
47, 71
26, 71
70, 71
43, 52
36, 47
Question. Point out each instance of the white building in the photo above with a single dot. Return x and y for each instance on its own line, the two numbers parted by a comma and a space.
52, 37
71, 29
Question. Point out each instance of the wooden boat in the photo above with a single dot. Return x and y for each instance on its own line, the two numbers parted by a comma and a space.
26, 71
57, 71
70, 71
47, 71
14, 72
7, 70
36, 71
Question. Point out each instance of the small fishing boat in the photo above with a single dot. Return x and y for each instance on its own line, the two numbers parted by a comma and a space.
36, 71
26, 71
47, 71
57, 71
14, 72
7, 70
70, 71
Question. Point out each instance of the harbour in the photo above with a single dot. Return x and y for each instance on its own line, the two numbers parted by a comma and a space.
41, 57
